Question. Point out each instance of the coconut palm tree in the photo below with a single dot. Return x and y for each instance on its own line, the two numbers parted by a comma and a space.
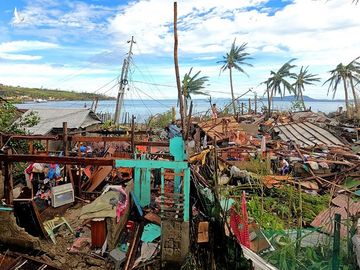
346, 74
278, 83
192, 85
235, 58
353, 75
338, 75
301, 79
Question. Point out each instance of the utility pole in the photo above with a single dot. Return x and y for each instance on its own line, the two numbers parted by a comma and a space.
123, 82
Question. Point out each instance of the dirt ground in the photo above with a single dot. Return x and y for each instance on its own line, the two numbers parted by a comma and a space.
56, 254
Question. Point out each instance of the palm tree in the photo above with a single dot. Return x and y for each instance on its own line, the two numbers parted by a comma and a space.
235, 58
277, 82
301, 79
345, 74
353, 69
192, 85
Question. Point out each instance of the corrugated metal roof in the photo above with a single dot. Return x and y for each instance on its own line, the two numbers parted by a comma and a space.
54, 118
307, 134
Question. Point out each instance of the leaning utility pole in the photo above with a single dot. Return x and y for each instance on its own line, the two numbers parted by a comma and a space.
123, 82
177, 74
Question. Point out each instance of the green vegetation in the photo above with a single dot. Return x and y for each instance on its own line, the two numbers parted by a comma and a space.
8, 115
192, 85
21, 94
160, 120
282, 205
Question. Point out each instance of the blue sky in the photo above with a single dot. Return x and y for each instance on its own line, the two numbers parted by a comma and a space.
80, 45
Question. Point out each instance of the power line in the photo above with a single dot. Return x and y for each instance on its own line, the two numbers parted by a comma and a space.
157, 84
151, 97
105, 85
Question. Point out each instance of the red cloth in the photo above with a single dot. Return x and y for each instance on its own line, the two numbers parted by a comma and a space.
239, 223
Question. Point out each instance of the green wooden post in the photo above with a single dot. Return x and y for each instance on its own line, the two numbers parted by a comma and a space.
146, 188
142, 174
186, 194
336, 245
137, 182
177, 150
162, 180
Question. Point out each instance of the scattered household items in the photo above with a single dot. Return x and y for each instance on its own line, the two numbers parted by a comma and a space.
53, 224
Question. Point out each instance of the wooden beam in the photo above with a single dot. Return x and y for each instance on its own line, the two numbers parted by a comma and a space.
8, 183
60, 160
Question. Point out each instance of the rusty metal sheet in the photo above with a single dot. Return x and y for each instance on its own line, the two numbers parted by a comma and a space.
325, 220
342, 201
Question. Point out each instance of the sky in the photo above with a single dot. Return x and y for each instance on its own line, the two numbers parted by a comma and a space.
81, 45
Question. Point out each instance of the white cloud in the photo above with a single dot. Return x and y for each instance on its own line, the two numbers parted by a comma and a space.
318, 33
25, 45
38, 75
23, 57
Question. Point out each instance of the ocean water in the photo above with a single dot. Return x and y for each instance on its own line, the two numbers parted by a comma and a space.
143, 109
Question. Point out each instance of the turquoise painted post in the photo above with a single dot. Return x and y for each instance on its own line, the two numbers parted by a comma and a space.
142, 174
146, 188
186, 194
177, 150
137, 183
162, 180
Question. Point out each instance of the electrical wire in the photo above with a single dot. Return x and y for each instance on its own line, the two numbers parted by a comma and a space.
92, 61
146, 67
101, 87
151, 97
143, 101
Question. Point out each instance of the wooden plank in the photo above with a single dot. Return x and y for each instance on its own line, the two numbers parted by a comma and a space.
99, 176
58, 160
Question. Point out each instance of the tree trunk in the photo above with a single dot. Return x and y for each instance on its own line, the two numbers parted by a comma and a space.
232, 92
302, 98
269, 102
177, 73
346, 98
354, 94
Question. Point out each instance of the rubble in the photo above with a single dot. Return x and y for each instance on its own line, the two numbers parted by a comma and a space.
250, 188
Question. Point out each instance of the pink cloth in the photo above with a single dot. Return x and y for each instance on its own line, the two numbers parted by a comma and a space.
121, 207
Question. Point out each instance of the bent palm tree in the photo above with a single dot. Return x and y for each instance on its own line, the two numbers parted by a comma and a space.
353, 75
192, 85
277, 83
301, 79
345, 74
235, 58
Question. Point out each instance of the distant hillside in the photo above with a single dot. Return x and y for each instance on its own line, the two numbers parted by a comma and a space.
22, 94
306, 99
293, 98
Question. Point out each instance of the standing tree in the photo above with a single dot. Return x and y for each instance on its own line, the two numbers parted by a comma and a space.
353, 69
301, 79
345, 74
235, 58
277, 80
191, 85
